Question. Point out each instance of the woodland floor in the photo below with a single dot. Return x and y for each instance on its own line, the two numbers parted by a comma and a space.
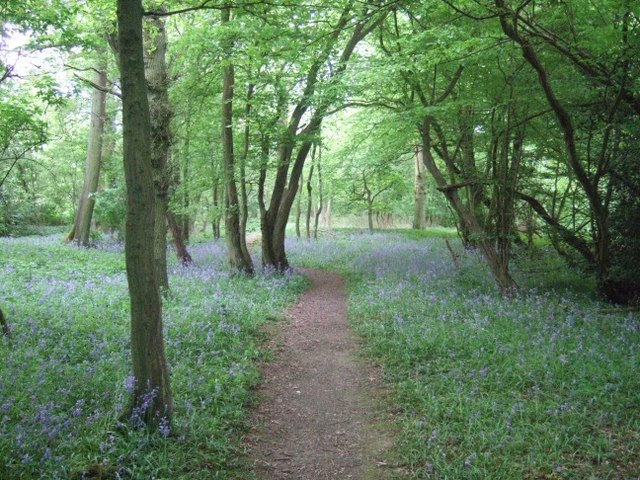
318, 415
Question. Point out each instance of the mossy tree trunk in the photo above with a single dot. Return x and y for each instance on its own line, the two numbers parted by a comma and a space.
151, 400
160, 116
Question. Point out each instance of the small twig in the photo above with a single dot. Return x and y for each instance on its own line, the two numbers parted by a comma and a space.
454, 256
629, 309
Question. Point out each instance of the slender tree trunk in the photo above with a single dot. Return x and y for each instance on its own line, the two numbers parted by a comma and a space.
151, 401
178, 239
501, 274
320, 199
475, 193
309, 191
598, 209
218, 199
244, 197
160, 114
215, 221
294, 139
369, 199
173, 221
420, 216
239, 259
183, 218
299, 207
266, 227
82, 225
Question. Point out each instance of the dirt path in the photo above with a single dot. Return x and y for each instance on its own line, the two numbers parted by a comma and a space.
316, 419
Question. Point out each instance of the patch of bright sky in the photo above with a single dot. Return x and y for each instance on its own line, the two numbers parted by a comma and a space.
25, 61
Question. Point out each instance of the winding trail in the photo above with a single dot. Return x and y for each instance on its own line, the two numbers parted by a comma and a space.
317, 420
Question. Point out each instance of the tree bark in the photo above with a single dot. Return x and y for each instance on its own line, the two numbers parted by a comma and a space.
178, 239
215, 220
239, 260
160, 116
310, 190
369, 201
299, 207
244, 197
82, 226
498, 269
183, 218
289, 170
601, 234
151, 400
320, 199
419, 217
475, 193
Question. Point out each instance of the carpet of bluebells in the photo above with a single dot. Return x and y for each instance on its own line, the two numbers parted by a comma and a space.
541, 386
65, 371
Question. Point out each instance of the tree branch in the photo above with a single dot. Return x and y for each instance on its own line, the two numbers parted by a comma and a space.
456, 76
98, 87
567, 235
455, 186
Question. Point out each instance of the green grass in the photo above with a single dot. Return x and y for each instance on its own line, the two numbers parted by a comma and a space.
541, 386
62, 383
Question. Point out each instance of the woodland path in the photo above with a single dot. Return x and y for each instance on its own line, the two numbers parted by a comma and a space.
316, 417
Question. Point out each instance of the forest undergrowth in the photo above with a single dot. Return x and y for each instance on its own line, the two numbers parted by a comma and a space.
65, 372
544, 385
540, 386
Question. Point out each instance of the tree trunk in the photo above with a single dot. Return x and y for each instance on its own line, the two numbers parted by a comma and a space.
475, 193
499, 270
244, 197
320, 199
369, 199
309, 191
419, 218
294, 139
82, 225
265, 226
601, 234
160, 116
183, 218
239, 260
215, 221
299, 207
151, 400
178, 239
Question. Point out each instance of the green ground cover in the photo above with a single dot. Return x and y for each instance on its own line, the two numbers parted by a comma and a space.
65, 371
541, 386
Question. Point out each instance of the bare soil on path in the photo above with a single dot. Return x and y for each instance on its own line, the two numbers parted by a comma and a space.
317, 419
